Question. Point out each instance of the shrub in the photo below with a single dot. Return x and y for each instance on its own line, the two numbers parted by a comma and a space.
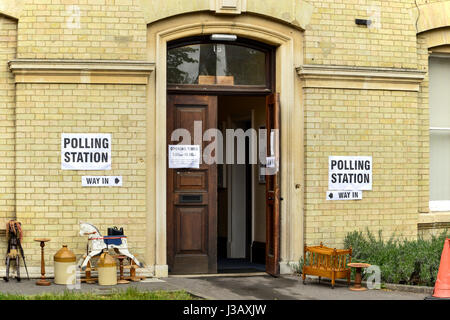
400, 261
297, 267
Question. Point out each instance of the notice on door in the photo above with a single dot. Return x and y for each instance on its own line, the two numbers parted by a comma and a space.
101, 181
85, 151
350, 173
184, 156
344, 195
270, 162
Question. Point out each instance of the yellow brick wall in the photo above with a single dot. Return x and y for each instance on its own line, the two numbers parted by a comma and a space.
393, 127
381, 124
390, 126
82, 29
8, 43
332, 37
422, 2
51, 201
424, 121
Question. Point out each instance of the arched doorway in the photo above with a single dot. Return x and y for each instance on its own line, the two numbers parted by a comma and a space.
217, 213
288, 53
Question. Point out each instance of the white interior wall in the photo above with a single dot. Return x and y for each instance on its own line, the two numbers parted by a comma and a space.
236, 109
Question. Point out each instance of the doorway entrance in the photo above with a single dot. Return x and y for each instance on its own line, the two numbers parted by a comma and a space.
223, 215
241, 190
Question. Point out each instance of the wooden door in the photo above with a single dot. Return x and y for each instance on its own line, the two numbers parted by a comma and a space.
191, 193
273, 186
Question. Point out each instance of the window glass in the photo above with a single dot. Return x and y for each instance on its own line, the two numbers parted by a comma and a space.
216, 64
439, 75
439, 165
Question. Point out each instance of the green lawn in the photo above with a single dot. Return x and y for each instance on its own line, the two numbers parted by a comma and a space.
129, 294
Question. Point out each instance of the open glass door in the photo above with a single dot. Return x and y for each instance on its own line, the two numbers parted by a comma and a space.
273, 185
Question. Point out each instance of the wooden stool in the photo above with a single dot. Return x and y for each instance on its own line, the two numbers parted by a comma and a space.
358, 267
42, 281
121, 278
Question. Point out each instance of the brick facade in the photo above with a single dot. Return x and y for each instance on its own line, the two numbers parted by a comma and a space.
51, 201
95, 29
382, 124
392, 126
8, 46
333, 38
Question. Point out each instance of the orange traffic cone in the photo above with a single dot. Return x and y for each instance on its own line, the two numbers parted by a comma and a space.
442, 285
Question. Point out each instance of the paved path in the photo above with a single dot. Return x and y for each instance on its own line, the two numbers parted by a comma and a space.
282, 288
233, 288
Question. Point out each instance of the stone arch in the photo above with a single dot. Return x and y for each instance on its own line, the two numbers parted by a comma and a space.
295, 13
433, 16
289, 53
433, 24
11, 8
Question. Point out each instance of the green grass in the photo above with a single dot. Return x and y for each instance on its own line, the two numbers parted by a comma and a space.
129, 294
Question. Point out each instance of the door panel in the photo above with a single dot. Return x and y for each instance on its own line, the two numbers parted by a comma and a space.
191, 193
273, 186
191, 227
191, 181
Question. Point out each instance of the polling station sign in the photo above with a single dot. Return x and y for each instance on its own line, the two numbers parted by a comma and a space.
350, 173
86, 151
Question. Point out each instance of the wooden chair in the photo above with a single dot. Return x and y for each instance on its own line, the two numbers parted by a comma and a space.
326, 262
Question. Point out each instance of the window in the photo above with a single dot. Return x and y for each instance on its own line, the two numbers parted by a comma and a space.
439, 75
200, 62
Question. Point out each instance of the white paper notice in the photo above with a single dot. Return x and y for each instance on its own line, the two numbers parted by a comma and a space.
184, 156
349, 173
270, 162
86, 151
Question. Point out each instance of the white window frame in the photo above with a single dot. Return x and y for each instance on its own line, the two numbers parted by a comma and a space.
439, 205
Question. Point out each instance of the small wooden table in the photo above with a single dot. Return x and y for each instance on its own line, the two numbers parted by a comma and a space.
358, 268
42, 281
121, 278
